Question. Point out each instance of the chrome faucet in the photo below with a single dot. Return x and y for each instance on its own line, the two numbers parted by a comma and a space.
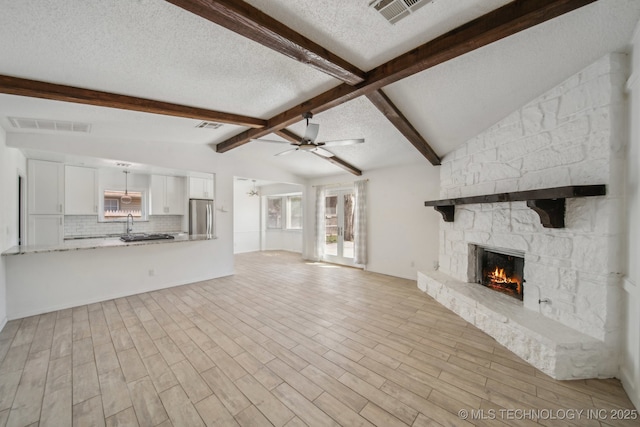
129, 228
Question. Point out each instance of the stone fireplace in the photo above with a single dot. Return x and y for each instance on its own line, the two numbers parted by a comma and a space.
563, 317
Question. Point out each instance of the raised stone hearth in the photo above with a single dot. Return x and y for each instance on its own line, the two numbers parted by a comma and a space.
557, 350
568, 324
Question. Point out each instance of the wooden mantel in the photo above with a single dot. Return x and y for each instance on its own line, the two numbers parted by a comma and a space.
549, 203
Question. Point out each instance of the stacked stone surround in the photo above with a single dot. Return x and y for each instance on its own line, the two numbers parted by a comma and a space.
571, 135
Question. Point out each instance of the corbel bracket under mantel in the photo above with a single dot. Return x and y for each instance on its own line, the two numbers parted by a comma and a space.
548, 203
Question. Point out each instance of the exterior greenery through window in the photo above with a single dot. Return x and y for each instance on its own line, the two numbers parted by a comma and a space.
284, 212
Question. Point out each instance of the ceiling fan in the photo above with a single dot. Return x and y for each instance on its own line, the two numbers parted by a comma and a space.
308, 141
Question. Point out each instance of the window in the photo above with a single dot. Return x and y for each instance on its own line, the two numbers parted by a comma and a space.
111, 204
114, 209
288, 208
294, 212
274, 212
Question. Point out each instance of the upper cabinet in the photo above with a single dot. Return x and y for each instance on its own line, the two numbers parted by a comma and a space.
200, 188
45, 188
80, 195
167, 195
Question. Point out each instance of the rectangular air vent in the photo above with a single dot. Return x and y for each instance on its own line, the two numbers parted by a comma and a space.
208, 125
51, 125
395, 10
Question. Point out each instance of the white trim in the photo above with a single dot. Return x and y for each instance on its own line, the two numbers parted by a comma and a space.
632, 81
629, 286
3, 323
628, 384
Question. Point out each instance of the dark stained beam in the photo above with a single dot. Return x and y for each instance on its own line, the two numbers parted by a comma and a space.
493, 26
341, 163
56, 92
252, 23
289, 136
292, 137
395, 116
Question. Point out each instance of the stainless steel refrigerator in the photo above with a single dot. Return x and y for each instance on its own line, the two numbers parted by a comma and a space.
201, 216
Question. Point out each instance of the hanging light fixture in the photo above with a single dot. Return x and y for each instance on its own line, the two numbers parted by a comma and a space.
126, 199
253, 192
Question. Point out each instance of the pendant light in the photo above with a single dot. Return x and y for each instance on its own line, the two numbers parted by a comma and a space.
253, 192
126, 199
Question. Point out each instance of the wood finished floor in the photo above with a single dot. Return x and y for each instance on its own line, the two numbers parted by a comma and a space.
282, 342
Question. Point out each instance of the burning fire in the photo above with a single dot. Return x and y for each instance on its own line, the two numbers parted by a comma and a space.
499, 277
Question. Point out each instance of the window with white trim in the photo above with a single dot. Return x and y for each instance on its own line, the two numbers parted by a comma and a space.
284, 212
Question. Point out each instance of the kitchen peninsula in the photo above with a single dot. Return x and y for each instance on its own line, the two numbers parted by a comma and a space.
77, 272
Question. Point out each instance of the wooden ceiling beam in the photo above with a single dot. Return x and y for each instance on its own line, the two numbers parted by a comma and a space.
505, 21
395, 116
292, 137
342, 164
252, 23
56, 92
289, 136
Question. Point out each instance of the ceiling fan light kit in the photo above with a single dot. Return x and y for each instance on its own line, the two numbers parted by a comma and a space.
308, 141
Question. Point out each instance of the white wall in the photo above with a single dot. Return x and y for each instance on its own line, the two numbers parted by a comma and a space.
246, 218
12, 163
403, 233
630, 364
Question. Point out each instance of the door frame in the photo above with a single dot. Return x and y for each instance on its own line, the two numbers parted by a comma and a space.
339, 258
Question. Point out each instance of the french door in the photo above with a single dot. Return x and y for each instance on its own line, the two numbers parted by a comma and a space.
338, 222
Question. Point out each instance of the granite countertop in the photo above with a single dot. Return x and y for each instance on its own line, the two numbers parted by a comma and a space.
102, 242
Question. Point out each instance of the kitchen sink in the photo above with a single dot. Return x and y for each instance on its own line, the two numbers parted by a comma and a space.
143, 237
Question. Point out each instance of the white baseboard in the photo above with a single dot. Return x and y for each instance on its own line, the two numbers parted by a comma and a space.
630, 387
3, 322
630, 379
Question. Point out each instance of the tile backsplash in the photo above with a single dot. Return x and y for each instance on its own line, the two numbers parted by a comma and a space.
88, 225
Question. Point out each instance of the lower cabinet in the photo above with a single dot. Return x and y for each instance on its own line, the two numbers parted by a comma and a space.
45, 229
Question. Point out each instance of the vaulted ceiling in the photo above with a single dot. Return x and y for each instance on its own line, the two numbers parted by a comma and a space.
151, 70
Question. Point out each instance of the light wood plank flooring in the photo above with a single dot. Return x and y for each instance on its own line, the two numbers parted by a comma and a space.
283, 342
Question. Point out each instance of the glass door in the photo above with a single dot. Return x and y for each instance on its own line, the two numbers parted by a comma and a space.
338, 221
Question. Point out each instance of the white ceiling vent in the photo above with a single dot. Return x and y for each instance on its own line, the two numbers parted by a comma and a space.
395, 10
52, 125
208, 125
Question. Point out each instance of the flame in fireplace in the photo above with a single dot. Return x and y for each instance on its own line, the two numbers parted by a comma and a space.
499, 277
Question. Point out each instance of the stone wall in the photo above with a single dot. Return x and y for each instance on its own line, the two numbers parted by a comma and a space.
571, 135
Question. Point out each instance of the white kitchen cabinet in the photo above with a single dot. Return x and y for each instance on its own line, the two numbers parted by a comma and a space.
45, 184
200, 188
167, 195
45, 229
80, 191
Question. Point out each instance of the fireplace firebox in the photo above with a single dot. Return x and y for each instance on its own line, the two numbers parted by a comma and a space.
500, 270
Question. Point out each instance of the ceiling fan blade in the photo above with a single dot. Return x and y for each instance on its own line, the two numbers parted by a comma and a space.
311, 133
286, 152
322, 152
341, 142
271, 141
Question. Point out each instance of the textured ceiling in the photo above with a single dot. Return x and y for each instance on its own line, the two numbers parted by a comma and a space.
152, 49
